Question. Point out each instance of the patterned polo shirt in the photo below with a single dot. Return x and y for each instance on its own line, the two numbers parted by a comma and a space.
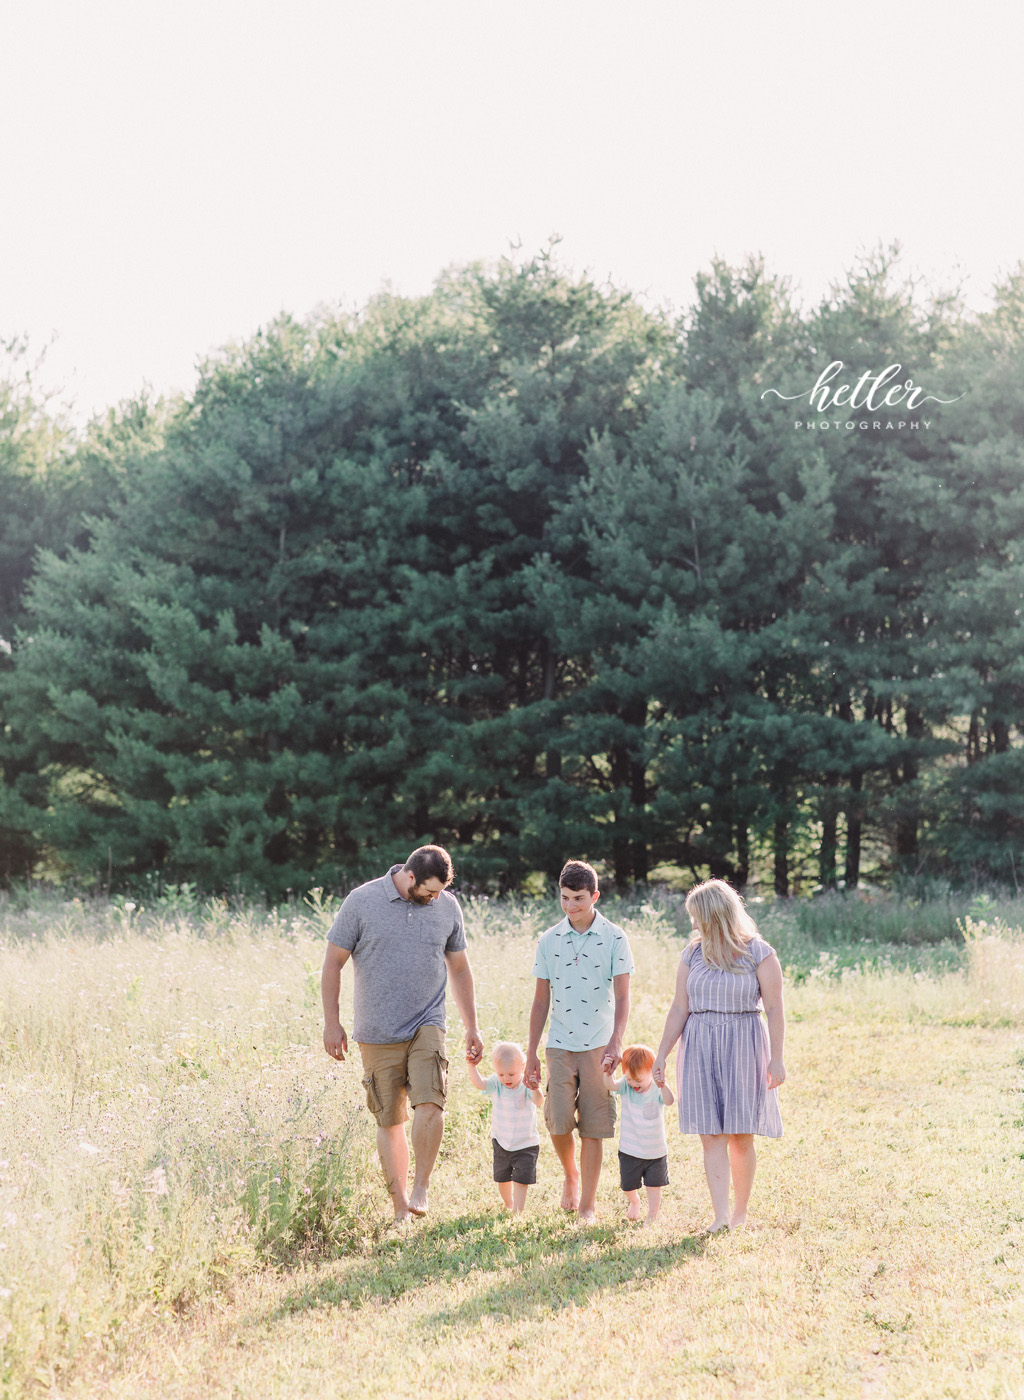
580, 968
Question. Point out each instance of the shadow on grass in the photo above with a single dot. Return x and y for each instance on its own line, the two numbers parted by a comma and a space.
545, 1265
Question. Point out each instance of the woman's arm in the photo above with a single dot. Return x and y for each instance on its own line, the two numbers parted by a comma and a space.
769, 976
674, 1023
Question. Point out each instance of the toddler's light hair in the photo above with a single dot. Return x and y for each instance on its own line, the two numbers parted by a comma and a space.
508, 1052
637, 1060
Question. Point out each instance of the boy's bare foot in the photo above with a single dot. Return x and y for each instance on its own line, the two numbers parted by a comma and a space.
571, 1193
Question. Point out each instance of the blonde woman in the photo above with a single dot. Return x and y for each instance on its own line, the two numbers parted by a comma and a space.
729, 1066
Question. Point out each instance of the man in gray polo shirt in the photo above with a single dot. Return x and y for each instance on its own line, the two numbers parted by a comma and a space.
405, 936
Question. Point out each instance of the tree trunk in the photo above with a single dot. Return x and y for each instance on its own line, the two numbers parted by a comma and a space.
853, 829
780, 853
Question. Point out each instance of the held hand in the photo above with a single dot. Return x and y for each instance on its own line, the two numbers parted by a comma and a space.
610, 1058
531, 1074
776, 1073
658, 1073
335, 1041
474, 1047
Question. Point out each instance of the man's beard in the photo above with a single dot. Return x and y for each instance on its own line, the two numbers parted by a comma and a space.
421, 898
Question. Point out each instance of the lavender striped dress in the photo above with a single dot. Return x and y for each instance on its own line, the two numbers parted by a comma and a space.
722, 1068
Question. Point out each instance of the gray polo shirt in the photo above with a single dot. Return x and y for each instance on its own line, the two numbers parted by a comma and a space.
582, 968
398, 950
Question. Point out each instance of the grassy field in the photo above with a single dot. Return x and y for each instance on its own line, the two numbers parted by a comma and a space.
190, 1205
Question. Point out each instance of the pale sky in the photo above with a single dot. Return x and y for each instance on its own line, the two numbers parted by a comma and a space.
176, 174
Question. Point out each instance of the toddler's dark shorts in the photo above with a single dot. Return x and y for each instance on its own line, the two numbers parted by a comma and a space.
635, 1172
520, 1165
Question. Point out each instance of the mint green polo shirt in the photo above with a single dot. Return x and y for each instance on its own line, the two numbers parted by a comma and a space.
580, 968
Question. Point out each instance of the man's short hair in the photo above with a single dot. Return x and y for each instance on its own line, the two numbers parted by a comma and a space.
431, 863
578, 875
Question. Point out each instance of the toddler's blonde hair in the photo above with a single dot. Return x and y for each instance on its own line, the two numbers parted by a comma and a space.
723, 928
508, 1052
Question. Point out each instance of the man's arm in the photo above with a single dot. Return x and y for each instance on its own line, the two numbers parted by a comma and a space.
460, 978
538, 1020
613, 1050
335, 1039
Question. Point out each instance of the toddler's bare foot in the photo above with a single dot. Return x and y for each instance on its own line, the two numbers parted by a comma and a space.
633, 1210
571, 1193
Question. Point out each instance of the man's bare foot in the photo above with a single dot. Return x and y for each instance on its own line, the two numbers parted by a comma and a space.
633, 1210
571, 1193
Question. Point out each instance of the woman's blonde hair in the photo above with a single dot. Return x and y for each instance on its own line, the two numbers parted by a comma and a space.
722, 926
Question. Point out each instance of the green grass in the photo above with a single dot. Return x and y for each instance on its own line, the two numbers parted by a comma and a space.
190, 1203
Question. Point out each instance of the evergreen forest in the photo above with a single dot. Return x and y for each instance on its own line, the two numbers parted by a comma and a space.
530, 569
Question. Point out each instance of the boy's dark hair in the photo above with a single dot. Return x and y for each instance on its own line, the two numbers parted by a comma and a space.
578, 875
431, 863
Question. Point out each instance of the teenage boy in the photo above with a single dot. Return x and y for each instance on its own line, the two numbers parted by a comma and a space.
582, 967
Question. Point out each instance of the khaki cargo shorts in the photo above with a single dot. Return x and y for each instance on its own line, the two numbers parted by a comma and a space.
576, 1096
410, 1071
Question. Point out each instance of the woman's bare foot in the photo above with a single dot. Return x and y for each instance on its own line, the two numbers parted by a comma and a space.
716, 1227
418, 1202
738, 1218
588, 1217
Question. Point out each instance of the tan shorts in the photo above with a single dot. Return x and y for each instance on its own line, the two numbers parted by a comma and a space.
413, 1071
576, 1096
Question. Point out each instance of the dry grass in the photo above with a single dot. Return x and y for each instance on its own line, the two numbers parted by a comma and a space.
189, 1204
